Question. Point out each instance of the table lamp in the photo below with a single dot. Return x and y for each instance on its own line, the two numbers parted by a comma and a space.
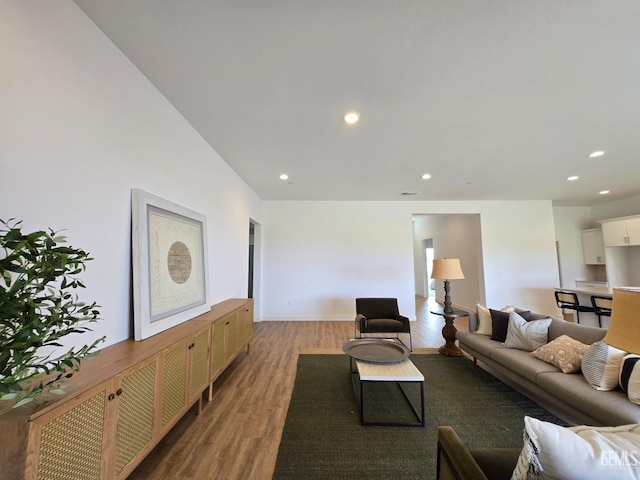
447, 269
624, 325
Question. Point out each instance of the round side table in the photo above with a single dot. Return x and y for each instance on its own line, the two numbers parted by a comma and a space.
450, 348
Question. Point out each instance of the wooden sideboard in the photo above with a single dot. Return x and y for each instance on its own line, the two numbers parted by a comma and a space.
124, 400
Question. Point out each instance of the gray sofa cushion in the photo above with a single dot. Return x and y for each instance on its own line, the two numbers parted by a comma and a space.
521, 362
478, 342
613, 407
582, 333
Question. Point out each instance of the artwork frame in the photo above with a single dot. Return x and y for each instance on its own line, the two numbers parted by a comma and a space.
170, 271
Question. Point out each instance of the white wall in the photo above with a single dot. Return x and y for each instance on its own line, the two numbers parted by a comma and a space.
79, 127
620, 208
318, 256
569, 223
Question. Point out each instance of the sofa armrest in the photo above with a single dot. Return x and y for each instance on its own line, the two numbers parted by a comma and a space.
454, 459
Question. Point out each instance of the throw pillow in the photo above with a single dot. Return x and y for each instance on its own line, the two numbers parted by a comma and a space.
586, 453
563, 352
525, 335
601, 365
484, 318
630, 377
499, 325
526, 314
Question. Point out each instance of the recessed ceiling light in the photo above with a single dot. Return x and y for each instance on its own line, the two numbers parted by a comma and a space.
604, 192
284, 176
351, 117
597, 153
426, 176
572, 178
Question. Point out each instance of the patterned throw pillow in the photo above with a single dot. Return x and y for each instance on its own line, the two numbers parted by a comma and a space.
525, 335
563, 352
601, 365
584, 453
630, 377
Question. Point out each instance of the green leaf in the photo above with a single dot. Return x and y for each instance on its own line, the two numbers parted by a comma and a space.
22, 402
37, 308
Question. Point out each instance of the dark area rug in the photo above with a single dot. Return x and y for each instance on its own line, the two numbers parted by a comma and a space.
323, 438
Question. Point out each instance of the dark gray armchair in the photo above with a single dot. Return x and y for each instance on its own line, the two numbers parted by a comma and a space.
380, 315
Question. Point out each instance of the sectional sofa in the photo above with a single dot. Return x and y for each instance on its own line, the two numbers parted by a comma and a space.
568, 396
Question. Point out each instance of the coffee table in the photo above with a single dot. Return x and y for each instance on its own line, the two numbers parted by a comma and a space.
402, 373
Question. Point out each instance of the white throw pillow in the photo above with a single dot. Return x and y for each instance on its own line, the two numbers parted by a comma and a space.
601, 365
525, 335
630, 377
484, 318
585, 453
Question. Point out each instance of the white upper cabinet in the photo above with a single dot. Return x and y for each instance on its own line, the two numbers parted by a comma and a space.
621, 232
592, 247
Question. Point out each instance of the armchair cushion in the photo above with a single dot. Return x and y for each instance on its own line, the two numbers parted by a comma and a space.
383, 325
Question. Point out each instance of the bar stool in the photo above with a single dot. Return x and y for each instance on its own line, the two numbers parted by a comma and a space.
569, 300
601, 307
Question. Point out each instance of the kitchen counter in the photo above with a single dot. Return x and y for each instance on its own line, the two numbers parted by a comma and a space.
600, 291
584, 298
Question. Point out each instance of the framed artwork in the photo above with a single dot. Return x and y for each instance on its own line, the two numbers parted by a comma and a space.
169, 264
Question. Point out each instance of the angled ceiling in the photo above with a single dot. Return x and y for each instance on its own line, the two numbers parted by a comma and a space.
497, 100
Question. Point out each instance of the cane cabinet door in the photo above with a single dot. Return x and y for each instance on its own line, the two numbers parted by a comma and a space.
71, 439
217, 347
135, 399
174, 384
199, 362
248, 323
230, 335
243, 328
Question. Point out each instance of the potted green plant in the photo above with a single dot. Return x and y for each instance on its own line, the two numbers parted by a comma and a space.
39, 306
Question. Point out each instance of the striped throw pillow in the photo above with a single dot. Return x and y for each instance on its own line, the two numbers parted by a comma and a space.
630, 377
601, 365
525, 335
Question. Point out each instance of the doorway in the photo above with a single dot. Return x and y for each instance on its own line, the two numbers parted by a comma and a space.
253, 272
252, 231
427, 246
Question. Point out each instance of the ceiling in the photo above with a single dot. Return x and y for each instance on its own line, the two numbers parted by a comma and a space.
496, 99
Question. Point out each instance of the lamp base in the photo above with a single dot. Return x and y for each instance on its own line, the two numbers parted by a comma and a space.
450, 348
449, 330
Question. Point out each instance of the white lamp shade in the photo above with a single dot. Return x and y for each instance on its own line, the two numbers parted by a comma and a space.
447, 269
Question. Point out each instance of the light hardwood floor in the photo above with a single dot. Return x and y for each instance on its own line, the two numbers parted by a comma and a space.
238, 433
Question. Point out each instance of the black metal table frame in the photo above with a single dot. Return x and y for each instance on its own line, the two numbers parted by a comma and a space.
419, 416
